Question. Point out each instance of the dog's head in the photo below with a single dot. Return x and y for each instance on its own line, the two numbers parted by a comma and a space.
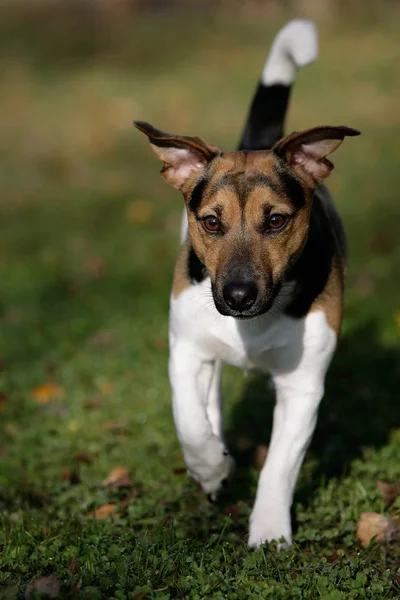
248, 212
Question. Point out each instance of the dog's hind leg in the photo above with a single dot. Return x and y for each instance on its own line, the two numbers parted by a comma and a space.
196, 409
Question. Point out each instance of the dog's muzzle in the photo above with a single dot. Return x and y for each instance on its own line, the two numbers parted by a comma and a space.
240, 295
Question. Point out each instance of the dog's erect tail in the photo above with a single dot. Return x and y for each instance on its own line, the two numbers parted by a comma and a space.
295, 46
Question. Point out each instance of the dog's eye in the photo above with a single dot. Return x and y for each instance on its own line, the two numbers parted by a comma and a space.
276, 222
211, 224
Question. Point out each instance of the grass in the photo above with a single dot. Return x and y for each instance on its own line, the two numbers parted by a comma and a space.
87, 246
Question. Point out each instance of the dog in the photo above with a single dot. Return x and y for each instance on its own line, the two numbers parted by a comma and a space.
258, 282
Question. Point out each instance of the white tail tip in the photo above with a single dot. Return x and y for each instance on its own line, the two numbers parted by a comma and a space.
296, 45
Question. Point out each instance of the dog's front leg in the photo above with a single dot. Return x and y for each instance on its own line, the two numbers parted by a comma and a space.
195, 392
295, 416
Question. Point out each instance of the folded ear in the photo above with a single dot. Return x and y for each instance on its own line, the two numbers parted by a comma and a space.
182, 155
306, 151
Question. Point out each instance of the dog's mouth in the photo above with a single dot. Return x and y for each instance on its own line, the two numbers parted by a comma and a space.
242, 315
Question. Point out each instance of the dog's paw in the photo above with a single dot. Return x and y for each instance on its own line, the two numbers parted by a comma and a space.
270, 525
210, 465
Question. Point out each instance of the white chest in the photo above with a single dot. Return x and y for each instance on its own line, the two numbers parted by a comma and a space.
248, 344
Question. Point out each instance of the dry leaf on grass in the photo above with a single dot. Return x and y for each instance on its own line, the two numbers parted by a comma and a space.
233, 511
104, 511
72, 477
373, 525
47, 393
389, 492
73, 565
140, 596
118, 478
94, 402
45, 585
3, 400
83, 457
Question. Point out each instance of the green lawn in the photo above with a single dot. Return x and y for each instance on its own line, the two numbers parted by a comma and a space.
89, 232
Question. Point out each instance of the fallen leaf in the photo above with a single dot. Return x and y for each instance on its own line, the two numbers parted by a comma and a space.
72, 567
333, 558
83, 457
140, 596
72, 476
260, 455
389, 492
45, 585
93, 402
233, 511
47, 393
118, 478
373, 525
3, 400
104, 511
140, 211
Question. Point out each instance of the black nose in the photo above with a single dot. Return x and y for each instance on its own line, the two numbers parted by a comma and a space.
240, 295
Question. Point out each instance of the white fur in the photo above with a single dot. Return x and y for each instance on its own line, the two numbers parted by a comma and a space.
296, 45
296, 352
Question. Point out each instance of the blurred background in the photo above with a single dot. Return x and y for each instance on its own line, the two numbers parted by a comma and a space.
89, 230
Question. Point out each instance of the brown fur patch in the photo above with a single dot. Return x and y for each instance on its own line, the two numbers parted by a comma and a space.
331, 298
181, 280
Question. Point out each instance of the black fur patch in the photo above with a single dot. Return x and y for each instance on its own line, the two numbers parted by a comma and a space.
197, 195
195, 268
292, 188
311, 271
264, 125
